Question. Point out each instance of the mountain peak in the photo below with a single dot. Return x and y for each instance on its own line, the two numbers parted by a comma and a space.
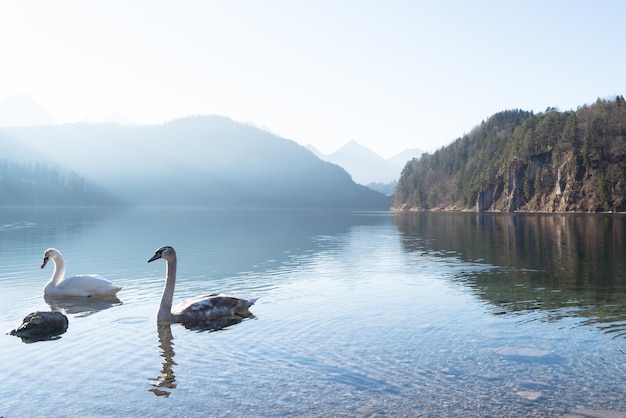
364, 165
353, 146
22, 110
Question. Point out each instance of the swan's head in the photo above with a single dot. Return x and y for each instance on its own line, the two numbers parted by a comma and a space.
165, 252
50, 253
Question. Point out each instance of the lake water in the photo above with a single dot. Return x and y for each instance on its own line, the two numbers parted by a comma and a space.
359, 314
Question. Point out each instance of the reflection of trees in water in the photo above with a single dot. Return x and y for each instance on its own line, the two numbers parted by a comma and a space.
25, 227
565, 265
165, 382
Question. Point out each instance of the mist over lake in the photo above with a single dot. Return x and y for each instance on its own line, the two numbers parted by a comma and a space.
200, 161
359, 314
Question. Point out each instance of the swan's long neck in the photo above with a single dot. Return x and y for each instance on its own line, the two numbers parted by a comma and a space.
165, 311
57, 274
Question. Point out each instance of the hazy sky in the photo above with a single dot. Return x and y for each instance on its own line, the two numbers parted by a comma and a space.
389, 74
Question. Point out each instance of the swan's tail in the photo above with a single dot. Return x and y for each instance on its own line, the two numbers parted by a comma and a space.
250, 302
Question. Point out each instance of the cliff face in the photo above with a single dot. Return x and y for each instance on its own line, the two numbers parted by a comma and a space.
517, 161
558, 190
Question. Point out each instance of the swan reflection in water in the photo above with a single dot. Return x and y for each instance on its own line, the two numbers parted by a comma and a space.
165, 382
81, 307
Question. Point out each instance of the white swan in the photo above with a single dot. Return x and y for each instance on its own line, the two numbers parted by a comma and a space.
200, 308
85, 285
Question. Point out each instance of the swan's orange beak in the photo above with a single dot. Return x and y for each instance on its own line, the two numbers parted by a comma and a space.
45, 261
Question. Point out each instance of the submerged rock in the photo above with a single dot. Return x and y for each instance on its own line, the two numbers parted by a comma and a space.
521, 352
529, 355
529, 395
41, 325
580, 412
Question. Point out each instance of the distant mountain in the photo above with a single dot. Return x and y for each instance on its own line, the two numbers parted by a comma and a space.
22, 110
401, 159
368, 168
197, 161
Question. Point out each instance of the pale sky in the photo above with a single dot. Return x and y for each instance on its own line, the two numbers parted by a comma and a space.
389, 74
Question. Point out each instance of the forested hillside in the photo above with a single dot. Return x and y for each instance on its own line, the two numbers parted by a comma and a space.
23, 184
520, 161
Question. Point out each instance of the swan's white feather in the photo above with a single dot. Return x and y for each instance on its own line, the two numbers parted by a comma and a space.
85, 285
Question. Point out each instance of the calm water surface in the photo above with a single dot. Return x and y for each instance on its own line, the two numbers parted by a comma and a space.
360, 315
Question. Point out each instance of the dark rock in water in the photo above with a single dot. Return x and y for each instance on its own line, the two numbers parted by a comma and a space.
529, 355
38, 326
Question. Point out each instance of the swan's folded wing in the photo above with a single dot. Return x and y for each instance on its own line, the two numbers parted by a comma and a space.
86, 285
211, 306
